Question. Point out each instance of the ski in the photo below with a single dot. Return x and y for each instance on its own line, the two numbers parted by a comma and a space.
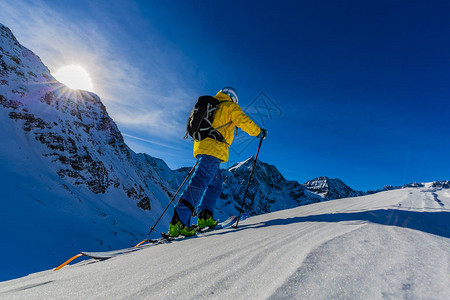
225, 224
165, 238
107, 254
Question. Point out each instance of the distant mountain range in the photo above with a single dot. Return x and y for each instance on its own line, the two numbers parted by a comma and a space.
64, 163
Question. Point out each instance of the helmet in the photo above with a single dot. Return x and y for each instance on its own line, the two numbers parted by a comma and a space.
230, 92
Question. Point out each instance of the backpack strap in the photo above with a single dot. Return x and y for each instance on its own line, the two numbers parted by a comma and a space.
223, 125
226, 124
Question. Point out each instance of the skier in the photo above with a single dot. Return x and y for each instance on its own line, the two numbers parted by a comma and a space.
205, 185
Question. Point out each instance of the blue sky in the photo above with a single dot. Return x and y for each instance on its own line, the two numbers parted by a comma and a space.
355, 90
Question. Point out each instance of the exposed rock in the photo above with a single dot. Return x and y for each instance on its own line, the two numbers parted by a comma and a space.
445, 184
331, 188
81, 142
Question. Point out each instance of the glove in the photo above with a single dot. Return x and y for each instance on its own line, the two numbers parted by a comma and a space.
262, 134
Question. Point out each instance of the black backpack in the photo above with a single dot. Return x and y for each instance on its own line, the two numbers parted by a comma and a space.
199, 123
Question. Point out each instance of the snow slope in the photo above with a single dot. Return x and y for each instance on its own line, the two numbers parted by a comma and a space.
394, 244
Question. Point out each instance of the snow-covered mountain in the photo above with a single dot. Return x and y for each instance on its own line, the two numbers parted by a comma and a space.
67, 178
268, 192
441, 184
73, 129
394, 245
331, 188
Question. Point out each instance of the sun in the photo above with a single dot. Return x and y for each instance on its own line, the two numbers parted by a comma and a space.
74, 77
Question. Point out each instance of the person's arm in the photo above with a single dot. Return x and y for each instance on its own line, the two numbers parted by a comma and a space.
241, 120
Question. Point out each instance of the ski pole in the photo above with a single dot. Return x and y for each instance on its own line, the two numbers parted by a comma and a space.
173, 198
248, 184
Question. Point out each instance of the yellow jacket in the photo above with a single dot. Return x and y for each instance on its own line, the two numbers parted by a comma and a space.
227, 111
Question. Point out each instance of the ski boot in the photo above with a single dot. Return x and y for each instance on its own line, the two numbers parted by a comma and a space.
205, 218
177, 228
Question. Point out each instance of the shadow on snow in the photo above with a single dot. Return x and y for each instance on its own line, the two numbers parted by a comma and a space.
437, 223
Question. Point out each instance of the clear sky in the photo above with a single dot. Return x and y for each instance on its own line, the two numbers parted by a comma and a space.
356, 90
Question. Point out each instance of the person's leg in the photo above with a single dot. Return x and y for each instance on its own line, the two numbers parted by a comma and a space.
208, 202
212, 193
201, 178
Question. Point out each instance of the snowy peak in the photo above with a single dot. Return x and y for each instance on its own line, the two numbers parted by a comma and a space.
77, 137
18, 60
331, 188
264, 173
246, 164
269, 191
268, 175
445, 184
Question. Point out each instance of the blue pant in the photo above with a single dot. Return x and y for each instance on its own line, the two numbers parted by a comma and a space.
203, 189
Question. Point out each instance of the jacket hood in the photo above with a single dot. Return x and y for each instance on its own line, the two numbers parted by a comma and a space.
222, 97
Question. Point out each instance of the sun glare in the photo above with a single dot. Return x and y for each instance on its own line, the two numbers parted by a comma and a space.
74, 77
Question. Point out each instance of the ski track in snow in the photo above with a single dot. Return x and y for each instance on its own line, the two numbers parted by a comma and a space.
391, 245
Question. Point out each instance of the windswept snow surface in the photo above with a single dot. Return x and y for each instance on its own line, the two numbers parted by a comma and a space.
393, 244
